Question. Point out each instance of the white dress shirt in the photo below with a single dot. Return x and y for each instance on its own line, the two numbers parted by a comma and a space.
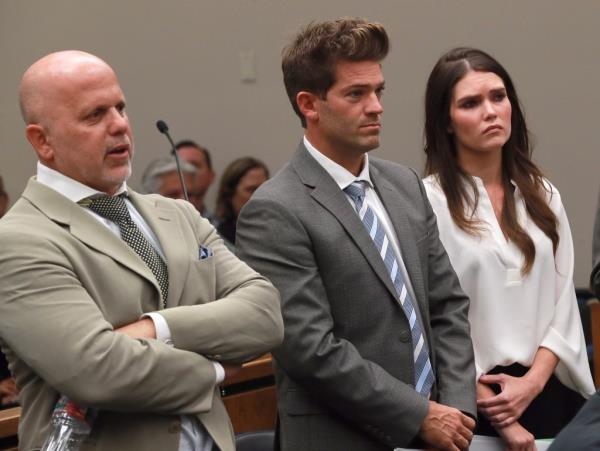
512, 315
193, 435
345, 178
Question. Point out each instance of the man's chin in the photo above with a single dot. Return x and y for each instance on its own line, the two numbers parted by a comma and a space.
116, 180
371, 144
123, 172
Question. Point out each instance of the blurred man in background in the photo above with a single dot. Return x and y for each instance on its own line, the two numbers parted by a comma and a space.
199, 157
161, 177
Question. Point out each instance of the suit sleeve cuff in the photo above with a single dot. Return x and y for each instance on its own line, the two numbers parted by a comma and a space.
220, 372
163, 333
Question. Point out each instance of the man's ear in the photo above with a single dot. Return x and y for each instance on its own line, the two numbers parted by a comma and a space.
37, 136
307, 103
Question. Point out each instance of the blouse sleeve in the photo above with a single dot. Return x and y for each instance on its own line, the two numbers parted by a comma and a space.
564, 336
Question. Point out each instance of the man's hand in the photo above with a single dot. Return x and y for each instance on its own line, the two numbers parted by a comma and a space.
517, 438
507, 407
143, 328
8, 391
446, 428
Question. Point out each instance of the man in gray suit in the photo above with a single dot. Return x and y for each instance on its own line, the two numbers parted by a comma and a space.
376, 352
127, 303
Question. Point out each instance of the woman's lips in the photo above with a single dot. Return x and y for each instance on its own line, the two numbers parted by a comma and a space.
492, 128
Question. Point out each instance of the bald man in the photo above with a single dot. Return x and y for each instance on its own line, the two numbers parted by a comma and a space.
127, 303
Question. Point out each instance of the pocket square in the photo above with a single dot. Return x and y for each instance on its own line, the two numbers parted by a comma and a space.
204, 252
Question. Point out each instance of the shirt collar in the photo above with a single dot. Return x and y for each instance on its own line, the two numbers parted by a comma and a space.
479, 182
68, 187
342, 176
481, 186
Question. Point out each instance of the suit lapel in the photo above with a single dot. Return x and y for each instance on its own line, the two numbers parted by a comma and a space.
327, 193
396, 206
86, 228
165, 224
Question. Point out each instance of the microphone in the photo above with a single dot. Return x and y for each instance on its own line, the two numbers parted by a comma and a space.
164, 129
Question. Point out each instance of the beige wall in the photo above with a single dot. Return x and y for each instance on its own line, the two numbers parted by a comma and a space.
178, 60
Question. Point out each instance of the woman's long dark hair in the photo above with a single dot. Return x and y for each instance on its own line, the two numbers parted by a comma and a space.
229, 182
517, 166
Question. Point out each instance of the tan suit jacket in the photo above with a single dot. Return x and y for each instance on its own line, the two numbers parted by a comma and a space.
66, 282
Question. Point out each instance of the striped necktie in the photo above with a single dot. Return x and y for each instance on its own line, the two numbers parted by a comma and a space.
423, 370
114, 209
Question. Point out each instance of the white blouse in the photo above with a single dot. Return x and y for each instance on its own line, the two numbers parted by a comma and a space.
512, 315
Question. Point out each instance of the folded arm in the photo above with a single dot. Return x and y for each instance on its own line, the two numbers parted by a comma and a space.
243, 322
49, 320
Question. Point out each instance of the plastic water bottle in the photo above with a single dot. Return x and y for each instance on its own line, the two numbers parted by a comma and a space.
71, 425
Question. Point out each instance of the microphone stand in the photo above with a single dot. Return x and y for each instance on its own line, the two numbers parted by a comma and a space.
164, 129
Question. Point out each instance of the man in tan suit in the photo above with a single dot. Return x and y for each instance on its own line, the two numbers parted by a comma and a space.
74, 292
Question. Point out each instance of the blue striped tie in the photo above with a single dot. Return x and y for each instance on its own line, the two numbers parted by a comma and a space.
423, 370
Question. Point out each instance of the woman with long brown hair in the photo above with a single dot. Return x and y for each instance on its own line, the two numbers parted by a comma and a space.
240, 179
507, 235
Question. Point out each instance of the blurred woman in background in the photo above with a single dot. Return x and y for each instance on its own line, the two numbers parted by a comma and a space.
239, 181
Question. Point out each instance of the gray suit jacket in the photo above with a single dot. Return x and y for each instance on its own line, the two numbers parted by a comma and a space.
345, 373
595, 277
67, 282
583, 432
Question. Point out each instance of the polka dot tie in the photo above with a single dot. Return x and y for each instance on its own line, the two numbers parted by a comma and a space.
114, 209
423, 372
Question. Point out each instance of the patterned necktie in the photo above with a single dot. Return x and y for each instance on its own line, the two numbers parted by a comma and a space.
114, 209
423, 370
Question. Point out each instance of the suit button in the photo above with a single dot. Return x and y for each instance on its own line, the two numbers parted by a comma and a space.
404, 336
175, 427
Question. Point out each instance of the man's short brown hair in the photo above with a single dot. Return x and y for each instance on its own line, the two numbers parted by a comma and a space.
309, 61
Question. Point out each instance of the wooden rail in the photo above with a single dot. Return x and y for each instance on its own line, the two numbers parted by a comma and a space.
9, 422
250, 397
